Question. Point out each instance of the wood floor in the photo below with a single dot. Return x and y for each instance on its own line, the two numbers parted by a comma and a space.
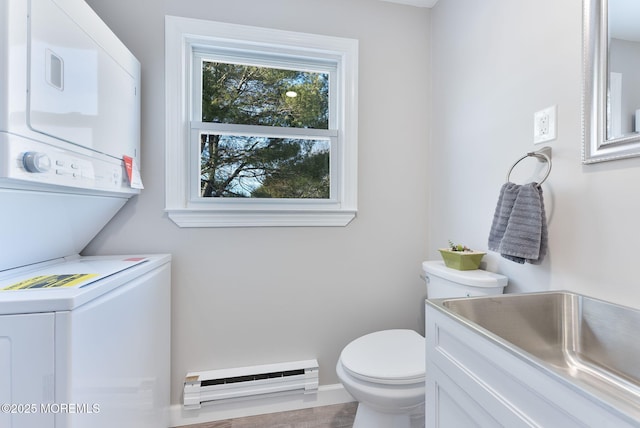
336, 416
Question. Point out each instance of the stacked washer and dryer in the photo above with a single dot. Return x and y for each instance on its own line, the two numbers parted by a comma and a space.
84, 341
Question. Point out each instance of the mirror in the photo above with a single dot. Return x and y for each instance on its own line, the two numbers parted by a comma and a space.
611, 80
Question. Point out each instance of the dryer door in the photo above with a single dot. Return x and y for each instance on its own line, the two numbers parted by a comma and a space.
83, 83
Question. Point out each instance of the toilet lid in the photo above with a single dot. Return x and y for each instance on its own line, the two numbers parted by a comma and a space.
390, 356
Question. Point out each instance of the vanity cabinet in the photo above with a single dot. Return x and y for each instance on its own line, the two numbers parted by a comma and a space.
473, 381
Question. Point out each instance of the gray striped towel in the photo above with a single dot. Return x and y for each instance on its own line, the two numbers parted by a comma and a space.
519, 228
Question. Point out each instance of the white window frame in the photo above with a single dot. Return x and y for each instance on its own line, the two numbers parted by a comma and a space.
184, 38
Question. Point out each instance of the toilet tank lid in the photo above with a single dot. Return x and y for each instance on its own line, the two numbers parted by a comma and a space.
475, 278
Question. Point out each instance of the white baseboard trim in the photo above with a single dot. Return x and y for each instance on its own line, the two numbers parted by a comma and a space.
227, 409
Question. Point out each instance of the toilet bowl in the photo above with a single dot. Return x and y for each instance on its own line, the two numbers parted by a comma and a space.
385, 370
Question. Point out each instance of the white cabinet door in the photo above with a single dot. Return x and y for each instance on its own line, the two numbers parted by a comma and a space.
26, 370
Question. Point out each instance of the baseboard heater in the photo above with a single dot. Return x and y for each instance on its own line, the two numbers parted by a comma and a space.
222, 384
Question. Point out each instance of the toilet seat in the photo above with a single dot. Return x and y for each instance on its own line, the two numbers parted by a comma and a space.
393, 357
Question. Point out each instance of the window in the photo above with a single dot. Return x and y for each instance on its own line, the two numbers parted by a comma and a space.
252, 124
261, 126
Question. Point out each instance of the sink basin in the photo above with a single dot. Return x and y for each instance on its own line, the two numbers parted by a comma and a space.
592, 343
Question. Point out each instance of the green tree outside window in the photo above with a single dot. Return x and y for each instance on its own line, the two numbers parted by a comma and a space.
254, 166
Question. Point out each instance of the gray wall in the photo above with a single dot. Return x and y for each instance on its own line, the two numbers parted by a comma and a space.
259, 295
496, 62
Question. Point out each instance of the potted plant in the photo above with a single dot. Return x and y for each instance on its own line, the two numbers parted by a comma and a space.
461, 257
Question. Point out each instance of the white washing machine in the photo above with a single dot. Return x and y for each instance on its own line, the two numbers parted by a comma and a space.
84, 342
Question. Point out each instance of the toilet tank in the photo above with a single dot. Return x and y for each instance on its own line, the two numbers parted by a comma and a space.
443, 282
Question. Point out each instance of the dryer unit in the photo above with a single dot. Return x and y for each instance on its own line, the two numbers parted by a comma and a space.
69, 116
68, 82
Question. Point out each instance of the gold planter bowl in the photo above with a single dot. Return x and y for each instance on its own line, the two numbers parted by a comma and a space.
461, 260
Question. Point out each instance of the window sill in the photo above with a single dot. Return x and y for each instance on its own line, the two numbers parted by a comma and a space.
259, 218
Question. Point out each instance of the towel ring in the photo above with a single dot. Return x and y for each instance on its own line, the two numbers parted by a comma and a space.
542, 156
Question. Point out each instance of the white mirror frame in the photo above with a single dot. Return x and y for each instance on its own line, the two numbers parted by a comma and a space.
595, 145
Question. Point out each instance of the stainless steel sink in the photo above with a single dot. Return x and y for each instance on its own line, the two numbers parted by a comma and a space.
593, 343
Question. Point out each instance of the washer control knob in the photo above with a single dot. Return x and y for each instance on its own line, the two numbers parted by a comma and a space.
36, 162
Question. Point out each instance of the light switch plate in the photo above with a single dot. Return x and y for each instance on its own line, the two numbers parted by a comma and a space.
544, 125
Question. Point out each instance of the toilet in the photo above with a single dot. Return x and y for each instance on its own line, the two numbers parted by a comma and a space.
385, 370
